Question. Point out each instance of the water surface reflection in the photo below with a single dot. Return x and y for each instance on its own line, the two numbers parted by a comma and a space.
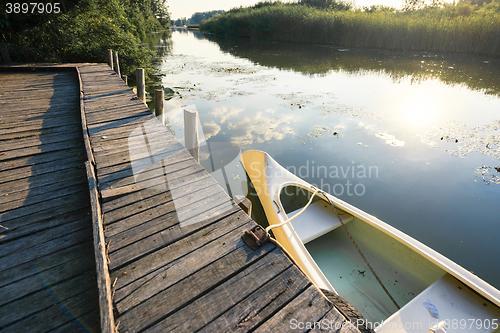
429, 124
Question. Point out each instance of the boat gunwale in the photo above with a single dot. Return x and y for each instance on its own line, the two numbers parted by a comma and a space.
474, 282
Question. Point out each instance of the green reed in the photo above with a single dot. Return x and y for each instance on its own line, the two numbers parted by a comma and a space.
459, 29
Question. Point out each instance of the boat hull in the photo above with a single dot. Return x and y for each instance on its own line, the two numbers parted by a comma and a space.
407, 267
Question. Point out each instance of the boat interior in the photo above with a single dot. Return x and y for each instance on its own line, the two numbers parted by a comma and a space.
411, 278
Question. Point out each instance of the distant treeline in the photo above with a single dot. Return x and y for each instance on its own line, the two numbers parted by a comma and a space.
196, 18
82, 31
467, 27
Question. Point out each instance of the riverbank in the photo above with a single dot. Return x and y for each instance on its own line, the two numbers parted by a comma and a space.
452, 29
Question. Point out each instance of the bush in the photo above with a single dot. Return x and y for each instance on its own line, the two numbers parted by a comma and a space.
83, 32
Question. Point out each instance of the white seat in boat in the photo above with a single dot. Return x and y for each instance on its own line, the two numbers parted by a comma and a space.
317, 220
452, 302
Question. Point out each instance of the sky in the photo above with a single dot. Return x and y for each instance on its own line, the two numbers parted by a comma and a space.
186, 8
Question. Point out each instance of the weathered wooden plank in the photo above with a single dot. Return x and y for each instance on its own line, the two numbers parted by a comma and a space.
137, 146
24, 90
40, 143
25, 203
116, 114
44, 249
40, 158
44, 299
154, 236
38, 132
108, 98
21, 244
308, 308
113, 126
19, 231
36, 100
155, 178
111, 117
38, 207
41, 149
186, 206
148, 198
36, 125
43, 179
133, 145
86, 140
31, 112
102, 273
179, 257
42, 168
225, 295
83, 252
62, 312
88, 322
21, 190
139, 157
33, 82
120, 128
39, 123
264, 302
37, 217
129, 132
116, 105
21, 288
119, 171
171, 302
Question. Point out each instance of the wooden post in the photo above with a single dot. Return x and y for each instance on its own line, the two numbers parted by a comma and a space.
191, 141
159, 107
117, 64
4, 52
246, 205
125, 79
141, 85
110, 58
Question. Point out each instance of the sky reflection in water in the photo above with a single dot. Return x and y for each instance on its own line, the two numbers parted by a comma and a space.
428, 123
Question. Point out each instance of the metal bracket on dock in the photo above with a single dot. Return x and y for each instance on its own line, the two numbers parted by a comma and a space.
255, 237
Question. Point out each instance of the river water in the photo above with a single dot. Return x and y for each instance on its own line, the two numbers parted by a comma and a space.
411, 138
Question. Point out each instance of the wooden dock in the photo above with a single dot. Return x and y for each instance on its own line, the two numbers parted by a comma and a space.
176, 261
47, 270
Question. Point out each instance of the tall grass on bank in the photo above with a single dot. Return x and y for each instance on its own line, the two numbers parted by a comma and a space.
448, 29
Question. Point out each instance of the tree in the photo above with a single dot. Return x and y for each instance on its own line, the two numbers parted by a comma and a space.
411, 5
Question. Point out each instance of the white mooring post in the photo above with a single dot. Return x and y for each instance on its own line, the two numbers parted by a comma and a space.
191, 141
117, 64
110, 58
159, 106
141, 85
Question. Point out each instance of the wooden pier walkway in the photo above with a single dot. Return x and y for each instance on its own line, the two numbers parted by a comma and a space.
175, 257
47, 273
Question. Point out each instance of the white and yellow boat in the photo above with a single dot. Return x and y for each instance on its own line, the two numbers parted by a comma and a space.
435, 294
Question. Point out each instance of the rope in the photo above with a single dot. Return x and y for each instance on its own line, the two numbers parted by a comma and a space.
290, 219
362, 256
340, 219
275, 242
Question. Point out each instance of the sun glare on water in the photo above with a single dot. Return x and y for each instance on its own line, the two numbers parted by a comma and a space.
420, 111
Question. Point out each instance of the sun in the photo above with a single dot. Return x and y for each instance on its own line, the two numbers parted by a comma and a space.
419, 111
